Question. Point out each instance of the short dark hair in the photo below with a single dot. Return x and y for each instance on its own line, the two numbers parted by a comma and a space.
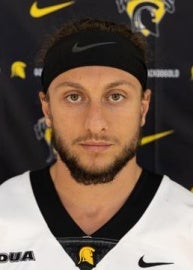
92, 24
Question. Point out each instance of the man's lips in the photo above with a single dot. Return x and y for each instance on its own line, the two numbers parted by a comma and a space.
96, 146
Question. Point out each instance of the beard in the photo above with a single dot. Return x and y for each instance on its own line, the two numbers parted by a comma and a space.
88, 176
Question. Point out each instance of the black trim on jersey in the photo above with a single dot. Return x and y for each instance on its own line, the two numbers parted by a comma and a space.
62, 225
87, 251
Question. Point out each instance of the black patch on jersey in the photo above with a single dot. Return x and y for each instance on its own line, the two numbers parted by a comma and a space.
73, 246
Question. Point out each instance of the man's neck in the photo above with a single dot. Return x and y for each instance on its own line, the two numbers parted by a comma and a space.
91, 206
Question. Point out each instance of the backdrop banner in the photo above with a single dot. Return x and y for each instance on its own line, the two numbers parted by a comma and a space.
167, 144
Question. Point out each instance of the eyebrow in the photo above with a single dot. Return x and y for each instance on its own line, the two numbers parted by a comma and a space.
119, 83
108, 86
70, 84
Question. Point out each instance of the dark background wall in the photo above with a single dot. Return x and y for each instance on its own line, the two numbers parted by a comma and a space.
167, 25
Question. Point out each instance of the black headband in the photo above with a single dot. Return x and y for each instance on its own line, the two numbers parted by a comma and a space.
93, 48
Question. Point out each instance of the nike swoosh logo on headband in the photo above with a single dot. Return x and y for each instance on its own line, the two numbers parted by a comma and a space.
76, 48
37, 12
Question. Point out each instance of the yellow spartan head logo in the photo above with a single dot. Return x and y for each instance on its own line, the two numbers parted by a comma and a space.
155, 9
86, 255
18, 69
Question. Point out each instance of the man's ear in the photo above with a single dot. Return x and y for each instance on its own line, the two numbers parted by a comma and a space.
145, 102
44, 99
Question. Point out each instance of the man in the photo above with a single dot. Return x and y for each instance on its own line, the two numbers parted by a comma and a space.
95, 207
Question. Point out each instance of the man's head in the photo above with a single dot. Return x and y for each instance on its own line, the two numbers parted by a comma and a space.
94, 77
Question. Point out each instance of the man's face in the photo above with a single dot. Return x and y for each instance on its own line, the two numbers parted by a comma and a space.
96, 114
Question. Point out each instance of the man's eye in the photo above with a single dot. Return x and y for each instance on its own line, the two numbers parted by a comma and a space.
74, 98
116, 97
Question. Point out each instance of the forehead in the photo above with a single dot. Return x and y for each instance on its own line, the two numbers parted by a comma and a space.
100, 76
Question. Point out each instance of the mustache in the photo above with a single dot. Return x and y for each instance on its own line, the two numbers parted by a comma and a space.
95, 137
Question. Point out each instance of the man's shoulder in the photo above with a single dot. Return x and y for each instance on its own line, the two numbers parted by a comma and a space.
170, 212
18, 208
22, 180
175, 196
176, 188
14, 193
15, 183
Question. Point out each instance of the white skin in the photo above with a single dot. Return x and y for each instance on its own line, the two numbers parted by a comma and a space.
107, 103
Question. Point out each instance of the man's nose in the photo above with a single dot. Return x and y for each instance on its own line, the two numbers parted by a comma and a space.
95, 120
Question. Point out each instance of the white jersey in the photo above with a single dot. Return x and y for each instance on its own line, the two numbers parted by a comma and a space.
162, 239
